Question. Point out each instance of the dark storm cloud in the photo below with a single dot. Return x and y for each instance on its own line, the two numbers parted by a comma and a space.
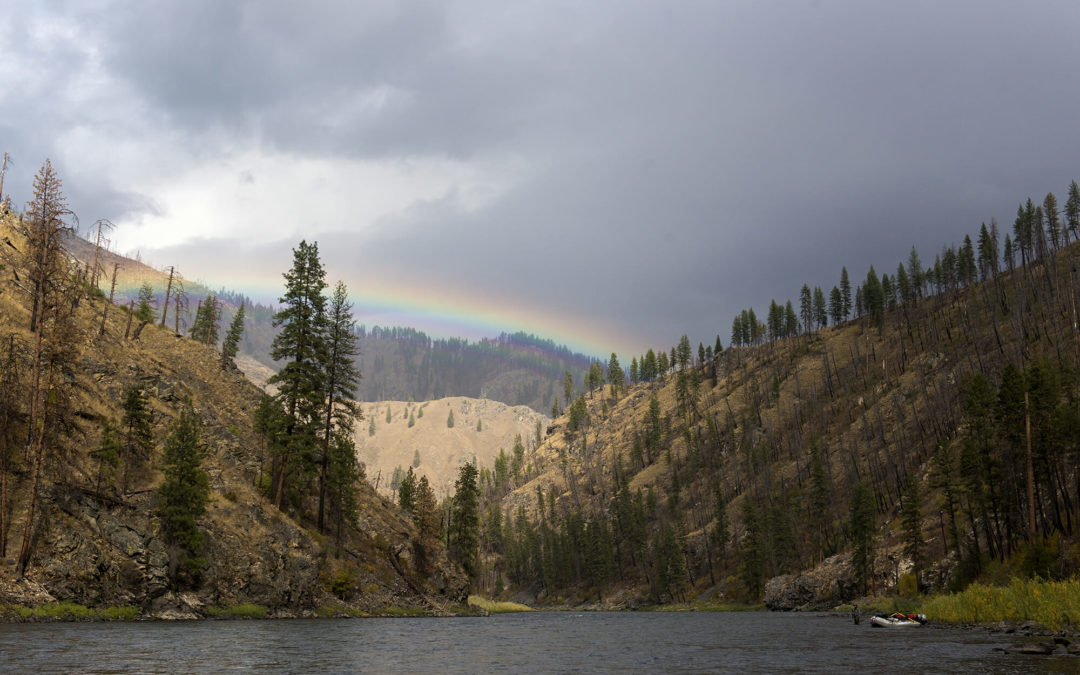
675, 162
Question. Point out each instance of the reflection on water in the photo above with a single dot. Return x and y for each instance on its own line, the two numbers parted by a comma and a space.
541, 641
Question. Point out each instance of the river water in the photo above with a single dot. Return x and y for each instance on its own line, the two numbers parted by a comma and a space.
534, 642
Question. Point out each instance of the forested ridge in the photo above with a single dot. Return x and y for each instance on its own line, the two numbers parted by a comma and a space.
142, 475
398, 363
878, 431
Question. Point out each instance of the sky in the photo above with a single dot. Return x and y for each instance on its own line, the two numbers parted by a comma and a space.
607, 174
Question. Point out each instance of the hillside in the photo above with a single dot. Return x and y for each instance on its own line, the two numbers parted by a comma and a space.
397, 363
482, 428
97, 537
883, 452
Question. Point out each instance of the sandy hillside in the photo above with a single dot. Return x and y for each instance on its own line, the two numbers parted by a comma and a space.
442, 449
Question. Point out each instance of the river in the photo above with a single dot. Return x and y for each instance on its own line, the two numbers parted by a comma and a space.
534, 642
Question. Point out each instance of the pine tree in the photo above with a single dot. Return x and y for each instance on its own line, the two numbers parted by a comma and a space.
144, 311
138, 435
207, 316
107, 453
615, 375
845, 292
183, 497
407, 492
806, 309
465, 520
911, 522
426, 516
1053, 220
450, 420
1072, 212
231, 345
861, 527
340, 378
635, 375
684, 353
342, 492
301, 343
836, 306
821, 315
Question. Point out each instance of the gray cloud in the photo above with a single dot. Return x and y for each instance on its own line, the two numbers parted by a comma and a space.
680, 161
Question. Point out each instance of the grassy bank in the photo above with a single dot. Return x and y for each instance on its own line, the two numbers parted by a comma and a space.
1052, 604
69, 611
494, 607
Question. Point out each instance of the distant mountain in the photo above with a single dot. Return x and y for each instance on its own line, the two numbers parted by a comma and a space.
397, 363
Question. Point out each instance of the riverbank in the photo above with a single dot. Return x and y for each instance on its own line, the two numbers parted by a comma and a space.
1032, 604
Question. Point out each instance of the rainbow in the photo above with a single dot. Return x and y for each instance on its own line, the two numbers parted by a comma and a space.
441, 312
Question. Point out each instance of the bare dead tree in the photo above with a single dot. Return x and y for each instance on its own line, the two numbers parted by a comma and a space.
54, 335
180, 301
131, 313
3, 171
112, 291
103, 224
168, 292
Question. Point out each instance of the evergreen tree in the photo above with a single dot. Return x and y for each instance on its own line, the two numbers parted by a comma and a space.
684, 352
425, 514
721, 533
340, 377
821, 316
874, 297
343, 476
138, 436
107, 453
615, 375
915, 273
791, 321
450, 420
183, 496
231, 345
634, 373
911, 522
465, 520
144, 310
407, 492
845, 292
301, 344
661, 364
1053, 220
806, 309
568, 387
207, 316
649, 369
1072, 212
861, 528
836, 306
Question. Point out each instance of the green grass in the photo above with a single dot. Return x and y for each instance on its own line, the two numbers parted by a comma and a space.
402, 611
70, 611
494, 607
1052, 604
338, 609
245, 610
